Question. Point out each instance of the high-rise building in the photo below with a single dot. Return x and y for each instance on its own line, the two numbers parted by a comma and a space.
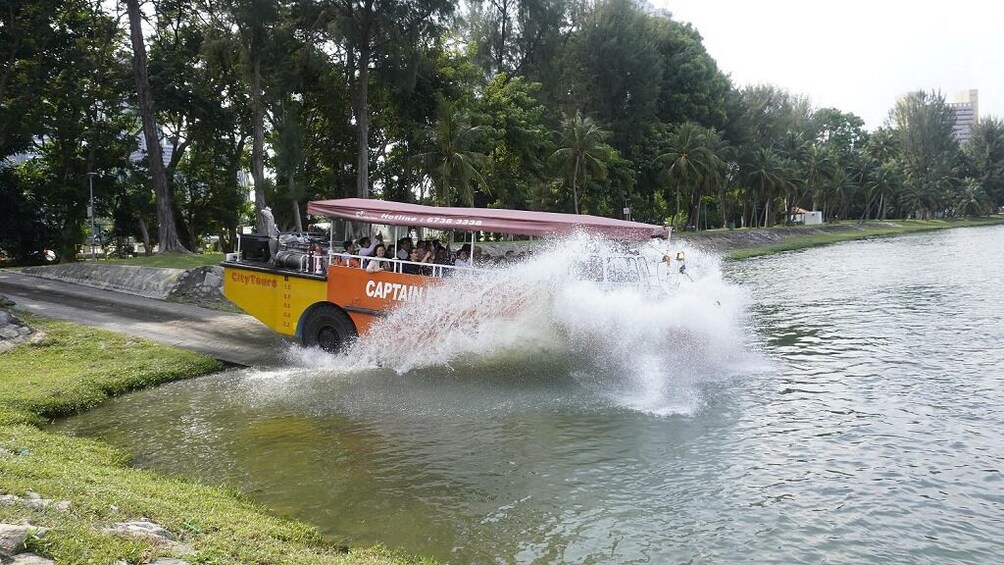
967, 113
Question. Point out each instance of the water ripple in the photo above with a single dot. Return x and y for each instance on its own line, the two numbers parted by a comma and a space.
866, 429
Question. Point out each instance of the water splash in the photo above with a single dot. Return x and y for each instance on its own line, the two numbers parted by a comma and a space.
649, 348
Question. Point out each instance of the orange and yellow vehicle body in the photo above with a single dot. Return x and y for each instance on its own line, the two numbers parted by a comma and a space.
281, 299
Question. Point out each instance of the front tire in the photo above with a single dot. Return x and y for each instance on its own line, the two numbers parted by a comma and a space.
328, 327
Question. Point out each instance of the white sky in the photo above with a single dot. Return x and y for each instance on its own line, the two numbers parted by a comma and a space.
856, 55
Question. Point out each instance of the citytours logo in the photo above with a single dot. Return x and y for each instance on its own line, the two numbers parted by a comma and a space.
254, 280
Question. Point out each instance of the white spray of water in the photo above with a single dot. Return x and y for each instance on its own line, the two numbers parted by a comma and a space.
648, 348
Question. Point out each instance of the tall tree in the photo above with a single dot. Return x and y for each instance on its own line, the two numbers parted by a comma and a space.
842, 132
985, 157
29, 48
167, 234
199, 79
691, 159
255, 20
514, 37
453, 163
520, 141
614, 72
86, 123
929, 152
581, 152
693, 88
762, 116
818, 168
769, 173
373, 31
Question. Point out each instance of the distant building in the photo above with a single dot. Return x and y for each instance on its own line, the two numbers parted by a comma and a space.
967, 113
167, 151
966, 108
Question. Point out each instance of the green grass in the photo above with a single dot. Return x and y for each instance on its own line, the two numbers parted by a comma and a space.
74, 368
169, 260
853, 231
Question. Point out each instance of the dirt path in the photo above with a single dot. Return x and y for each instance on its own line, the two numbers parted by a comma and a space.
235, 338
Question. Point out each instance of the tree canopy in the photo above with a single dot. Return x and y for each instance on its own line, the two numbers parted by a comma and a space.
528, 104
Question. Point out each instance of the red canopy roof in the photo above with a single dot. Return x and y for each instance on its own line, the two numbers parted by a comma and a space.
481, 219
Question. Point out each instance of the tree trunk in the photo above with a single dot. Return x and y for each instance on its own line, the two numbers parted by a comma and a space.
363, 123
258, 143
296, 207
865, 216
167, 232
69, 235
721, 206
145, 234
575, 190
677, 214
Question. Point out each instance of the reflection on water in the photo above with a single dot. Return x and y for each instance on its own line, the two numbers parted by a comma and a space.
865, 429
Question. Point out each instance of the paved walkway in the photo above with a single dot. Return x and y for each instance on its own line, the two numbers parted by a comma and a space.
235, 338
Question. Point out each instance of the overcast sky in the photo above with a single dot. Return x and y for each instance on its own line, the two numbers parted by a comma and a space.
856, 55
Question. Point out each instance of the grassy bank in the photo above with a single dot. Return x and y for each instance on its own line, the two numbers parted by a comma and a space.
753, 242
169, 260
73, 368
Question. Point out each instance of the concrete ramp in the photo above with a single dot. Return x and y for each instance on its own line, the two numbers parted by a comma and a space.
151, 282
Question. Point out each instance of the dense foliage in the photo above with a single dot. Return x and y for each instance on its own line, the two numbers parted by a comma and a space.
588, 107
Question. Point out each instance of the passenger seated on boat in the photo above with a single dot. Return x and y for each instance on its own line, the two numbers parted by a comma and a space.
367, 246
390, 254
345, 259
379, 261
441, 258
404, 247
416, 256
463, 257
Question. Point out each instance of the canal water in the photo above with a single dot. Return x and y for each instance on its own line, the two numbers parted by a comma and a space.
837, 404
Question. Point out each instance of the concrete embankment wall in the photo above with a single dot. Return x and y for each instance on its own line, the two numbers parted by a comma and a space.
151, 282
202, 285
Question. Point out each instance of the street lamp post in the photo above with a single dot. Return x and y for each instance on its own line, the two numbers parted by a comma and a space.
90, 212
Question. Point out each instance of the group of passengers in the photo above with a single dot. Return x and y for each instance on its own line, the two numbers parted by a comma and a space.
425, 257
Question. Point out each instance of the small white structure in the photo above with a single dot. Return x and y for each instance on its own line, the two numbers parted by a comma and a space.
800, 216
812, 218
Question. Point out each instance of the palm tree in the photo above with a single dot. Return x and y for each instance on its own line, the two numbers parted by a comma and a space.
692, 158
724, 171
582, 151
819, 166
453, 165
768, 174
838, 189
971, 199
714, 177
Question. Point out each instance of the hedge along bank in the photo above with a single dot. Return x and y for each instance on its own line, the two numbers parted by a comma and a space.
308, 290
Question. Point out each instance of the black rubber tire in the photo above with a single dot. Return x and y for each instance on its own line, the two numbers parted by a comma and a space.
328, 327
